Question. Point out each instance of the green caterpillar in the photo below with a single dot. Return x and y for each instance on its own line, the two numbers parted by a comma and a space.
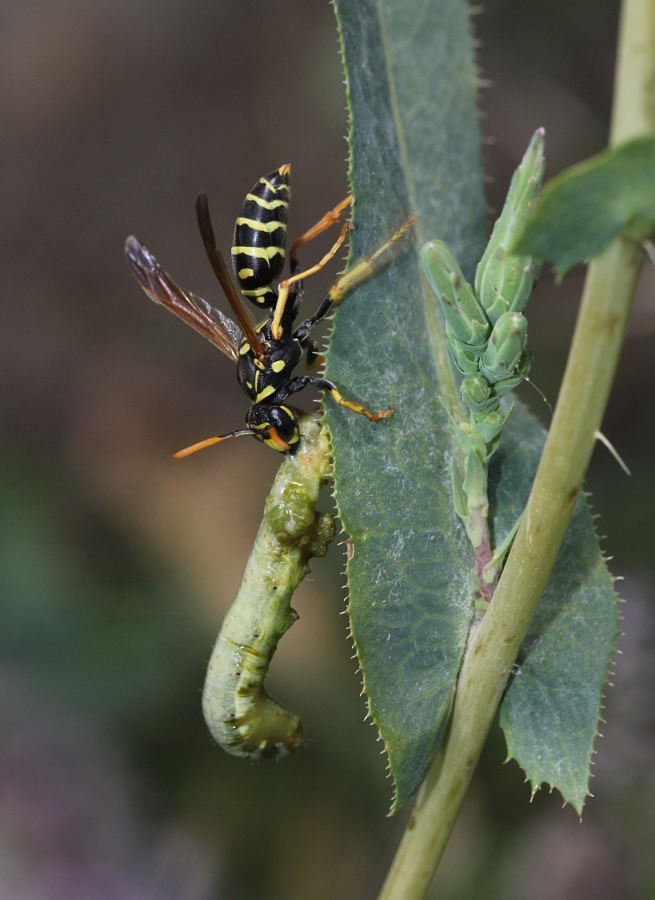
241, 716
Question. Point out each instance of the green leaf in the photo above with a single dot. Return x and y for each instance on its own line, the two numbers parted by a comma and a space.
415, 146
551, 708
588, 205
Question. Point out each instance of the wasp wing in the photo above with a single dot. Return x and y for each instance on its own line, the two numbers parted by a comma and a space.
231, 328
196, 312
220, 270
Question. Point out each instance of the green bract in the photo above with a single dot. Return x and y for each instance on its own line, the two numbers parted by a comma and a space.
466, 358
506, 346
513, 381
503, 280
464, 315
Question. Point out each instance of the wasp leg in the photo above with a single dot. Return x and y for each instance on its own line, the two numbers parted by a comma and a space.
302, 331
283, 290
314, 359
302, 381
313, 356
328, 219
366, 267
208, 443
361, 271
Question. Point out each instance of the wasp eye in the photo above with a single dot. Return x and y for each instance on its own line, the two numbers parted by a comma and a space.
285, 422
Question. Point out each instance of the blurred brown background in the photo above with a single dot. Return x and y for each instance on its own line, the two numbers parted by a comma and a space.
117, 564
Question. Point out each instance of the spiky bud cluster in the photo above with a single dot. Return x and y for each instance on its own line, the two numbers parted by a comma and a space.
487, 332
503, 281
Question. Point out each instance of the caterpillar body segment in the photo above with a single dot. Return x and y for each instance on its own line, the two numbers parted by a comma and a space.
241, 716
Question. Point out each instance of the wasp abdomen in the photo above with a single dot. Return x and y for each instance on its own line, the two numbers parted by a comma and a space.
260, 237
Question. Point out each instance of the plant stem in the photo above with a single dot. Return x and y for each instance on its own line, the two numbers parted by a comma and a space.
633, 111
493, 646
483, 555
609, 289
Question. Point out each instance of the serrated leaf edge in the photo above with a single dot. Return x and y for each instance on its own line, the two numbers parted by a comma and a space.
536, 786
437, 341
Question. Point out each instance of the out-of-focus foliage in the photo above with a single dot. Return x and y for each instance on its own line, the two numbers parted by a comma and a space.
113, 119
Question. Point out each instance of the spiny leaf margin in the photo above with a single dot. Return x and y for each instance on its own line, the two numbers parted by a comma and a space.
410, 598
410, 602
551, 708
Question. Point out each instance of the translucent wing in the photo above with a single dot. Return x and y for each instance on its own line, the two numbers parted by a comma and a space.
220, 270
196, 312
231, 328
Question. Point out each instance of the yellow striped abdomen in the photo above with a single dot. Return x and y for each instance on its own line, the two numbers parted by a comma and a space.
260, 237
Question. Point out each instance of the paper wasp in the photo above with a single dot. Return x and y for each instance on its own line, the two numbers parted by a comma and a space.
265, 355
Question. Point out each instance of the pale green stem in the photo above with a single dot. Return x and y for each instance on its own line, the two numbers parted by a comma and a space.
493, 647
608, 293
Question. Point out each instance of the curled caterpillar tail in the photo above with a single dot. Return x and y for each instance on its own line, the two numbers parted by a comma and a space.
241, 716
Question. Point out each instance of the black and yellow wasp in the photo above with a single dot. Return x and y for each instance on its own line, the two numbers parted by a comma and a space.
265, 355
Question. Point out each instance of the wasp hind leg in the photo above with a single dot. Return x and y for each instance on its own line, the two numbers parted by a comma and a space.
283, 290
361, 271
302, 381
366, 267
328, 219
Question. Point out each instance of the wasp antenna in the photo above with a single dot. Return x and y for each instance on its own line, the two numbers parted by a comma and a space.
209, 442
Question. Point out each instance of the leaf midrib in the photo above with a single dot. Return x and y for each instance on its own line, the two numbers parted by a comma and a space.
436, 335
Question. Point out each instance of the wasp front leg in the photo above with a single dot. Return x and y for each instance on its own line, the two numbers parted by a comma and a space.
303, 381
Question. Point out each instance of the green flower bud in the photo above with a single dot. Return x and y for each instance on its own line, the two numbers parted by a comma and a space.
513, 381
489, 428
477, 394
476, 389
505, 348
508, 283
464, 315
504, 281
466, 358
